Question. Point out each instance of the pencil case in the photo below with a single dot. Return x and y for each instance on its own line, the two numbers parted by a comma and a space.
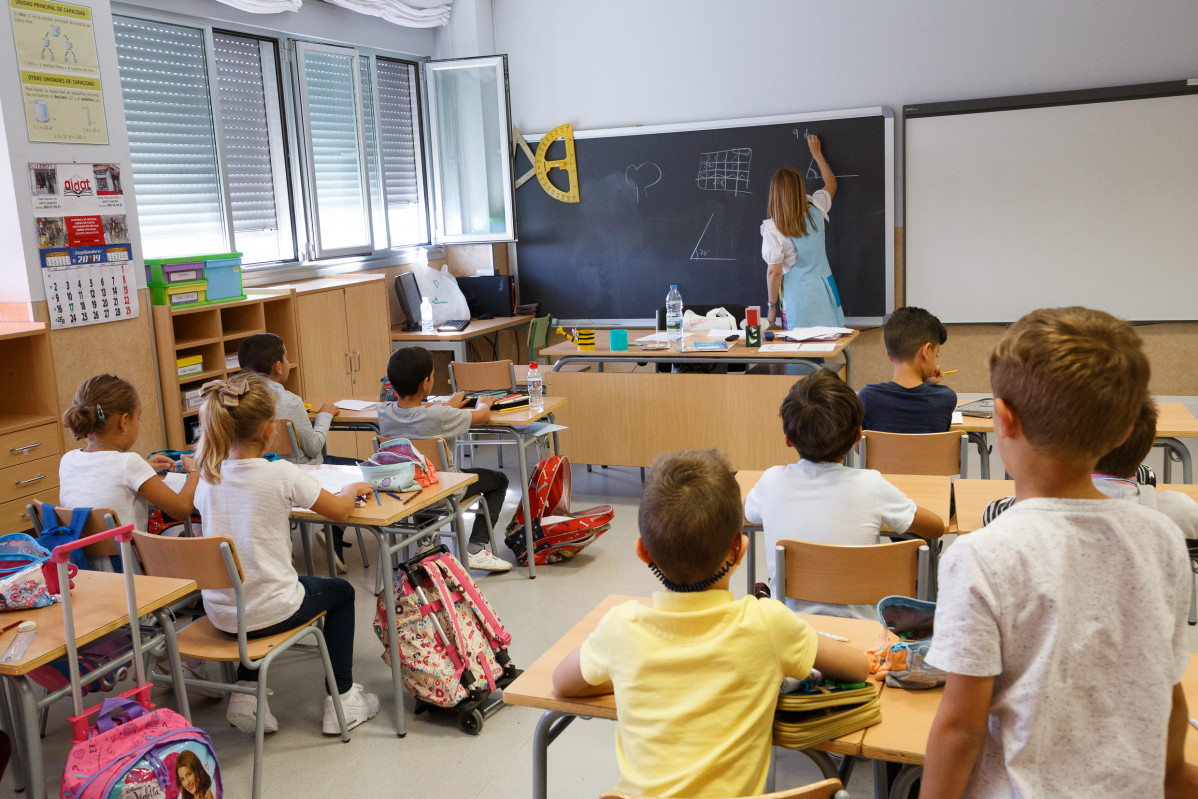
817, 712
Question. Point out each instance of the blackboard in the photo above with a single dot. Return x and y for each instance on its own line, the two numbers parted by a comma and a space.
684, 204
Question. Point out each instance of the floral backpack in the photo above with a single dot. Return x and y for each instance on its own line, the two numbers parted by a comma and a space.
557, 532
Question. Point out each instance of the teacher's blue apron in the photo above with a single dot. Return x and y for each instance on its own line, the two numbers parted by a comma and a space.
809, 293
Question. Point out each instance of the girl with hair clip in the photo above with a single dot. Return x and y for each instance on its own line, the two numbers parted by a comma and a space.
191, 778
106, 412
801, 289
249, 499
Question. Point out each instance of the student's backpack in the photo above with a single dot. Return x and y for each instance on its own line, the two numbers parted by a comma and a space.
452, 645
558, 533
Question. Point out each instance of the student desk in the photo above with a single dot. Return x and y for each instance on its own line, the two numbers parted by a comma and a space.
510, 422
99, 608
933, 492
379, 520
1174, 422
455, 340
567, 352
534, 688
974, 495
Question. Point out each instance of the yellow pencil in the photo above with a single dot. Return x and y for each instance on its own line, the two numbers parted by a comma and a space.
950, 372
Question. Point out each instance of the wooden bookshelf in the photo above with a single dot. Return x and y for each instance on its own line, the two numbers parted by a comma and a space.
215, 332
30, 432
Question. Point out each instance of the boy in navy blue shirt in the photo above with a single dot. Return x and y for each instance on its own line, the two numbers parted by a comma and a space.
914, 402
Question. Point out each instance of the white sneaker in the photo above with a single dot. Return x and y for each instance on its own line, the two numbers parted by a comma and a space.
358, 706
243, 711
484, 561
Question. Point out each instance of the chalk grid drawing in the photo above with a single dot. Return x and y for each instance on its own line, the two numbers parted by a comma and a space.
641, 176
712, 246
725, 170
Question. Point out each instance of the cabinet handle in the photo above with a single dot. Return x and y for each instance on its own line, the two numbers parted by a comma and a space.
349, 363
25, 448
30, 480
358, 355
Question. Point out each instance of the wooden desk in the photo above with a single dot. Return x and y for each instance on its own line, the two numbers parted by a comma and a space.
534, 688
566, 352
503, 422
1174, 422
933, 492
380, 519
455, 340
99, 609
974, 495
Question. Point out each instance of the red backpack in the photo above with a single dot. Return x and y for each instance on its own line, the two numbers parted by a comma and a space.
557, 532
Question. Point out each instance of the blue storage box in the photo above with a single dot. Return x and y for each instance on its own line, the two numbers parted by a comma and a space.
224, 277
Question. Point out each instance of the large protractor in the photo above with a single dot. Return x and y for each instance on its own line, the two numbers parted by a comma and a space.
566, 134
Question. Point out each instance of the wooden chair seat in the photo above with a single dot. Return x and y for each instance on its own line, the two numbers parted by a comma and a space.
203, 641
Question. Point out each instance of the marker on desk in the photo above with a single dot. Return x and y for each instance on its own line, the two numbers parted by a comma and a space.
1195, 723
376, 497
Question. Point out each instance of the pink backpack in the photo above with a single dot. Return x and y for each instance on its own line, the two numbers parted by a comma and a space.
557, 532
452, 645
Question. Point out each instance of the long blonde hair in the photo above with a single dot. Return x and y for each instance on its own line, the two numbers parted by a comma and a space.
788, 205
233, 410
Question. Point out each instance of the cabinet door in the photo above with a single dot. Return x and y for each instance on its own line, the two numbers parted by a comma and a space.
369, 329
324, 345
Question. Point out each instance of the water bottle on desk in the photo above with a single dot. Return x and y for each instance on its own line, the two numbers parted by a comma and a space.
674, 315
536, 388
426, 316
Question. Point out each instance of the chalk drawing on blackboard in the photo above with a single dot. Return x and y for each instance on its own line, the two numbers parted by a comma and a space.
725, 170
813, 170
713, 246
641, 176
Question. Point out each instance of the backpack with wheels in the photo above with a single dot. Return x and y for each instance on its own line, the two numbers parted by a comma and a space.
558, 533
452, 645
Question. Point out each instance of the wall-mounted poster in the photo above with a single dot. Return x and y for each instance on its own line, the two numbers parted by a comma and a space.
83, 241
59, 70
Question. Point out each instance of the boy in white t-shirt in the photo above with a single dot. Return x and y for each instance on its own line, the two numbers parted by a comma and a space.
1062, 624
819, 498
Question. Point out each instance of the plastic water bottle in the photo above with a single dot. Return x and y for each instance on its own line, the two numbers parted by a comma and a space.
674, 314
426, 316
536, 388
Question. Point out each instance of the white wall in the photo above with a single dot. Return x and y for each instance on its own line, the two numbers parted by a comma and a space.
610, 63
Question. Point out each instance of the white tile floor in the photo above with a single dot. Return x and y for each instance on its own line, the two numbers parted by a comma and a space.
435, 758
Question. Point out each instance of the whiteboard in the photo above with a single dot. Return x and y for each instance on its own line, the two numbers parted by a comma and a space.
1090, 204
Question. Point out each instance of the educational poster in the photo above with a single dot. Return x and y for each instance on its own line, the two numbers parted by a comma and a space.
83, 241
59, 70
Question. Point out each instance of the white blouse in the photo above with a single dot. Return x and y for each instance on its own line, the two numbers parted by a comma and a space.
779, 249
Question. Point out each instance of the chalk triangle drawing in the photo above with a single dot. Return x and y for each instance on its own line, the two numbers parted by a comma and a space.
710, 247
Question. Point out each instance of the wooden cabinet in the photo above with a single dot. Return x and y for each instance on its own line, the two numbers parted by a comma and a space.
214, 332
30, 436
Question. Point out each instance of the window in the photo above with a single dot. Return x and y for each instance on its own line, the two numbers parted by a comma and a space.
403, 189
171, 138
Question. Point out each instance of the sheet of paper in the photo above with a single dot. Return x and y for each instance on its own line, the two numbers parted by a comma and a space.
814, 333
174, 481
334, 478
817, 346
663, 337
540, 428
783, 346
723, 334
958, 418
355, 405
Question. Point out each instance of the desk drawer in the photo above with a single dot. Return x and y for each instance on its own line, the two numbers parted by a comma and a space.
13, 518
25, 446
29, 479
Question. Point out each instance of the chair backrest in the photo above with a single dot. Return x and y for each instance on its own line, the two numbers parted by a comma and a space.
198, 559
284, 444
737, 311
850, 575
824, 789
538, 335
99, 520
914, 453
481, 375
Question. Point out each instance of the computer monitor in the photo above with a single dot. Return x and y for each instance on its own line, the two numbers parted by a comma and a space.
409, 299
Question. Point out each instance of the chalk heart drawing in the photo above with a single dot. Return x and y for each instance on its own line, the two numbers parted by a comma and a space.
642, 176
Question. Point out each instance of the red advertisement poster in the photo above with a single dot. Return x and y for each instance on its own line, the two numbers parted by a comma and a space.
84, 231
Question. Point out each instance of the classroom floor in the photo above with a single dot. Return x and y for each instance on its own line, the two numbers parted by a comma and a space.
435, 758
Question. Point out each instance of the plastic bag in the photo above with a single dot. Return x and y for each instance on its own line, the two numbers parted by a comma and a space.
442, 291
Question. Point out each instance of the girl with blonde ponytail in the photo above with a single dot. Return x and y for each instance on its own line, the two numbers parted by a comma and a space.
106, 413
249, 499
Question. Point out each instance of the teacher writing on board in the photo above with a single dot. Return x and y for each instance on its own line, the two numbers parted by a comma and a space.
802, 291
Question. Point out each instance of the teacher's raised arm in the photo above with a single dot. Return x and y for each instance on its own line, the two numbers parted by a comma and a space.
801, 289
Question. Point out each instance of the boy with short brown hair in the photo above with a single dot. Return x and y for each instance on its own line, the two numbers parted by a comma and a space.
913, 401
696, 674
1068, 595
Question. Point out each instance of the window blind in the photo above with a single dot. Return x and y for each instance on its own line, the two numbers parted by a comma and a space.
164, 85
244, 133
398, 140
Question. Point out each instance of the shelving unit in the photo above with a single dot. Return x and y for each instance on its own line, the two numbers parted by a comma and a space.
213, 332
30, 436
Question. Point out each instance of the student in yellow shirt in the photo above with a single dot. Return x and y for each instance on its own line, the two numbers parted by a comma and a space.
696, 674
